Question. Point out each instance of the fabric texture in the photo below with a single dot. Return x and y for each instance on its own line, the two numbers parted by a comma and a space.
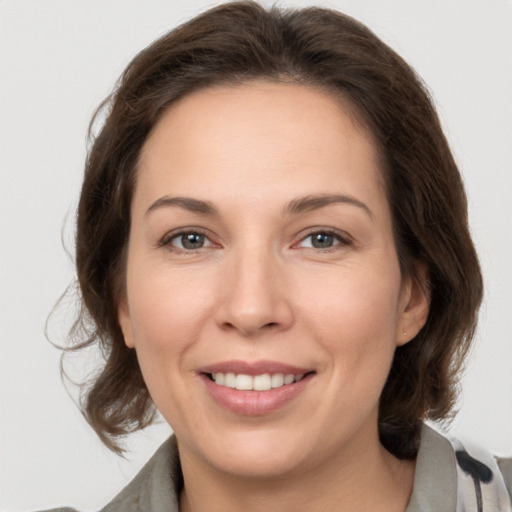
450, 477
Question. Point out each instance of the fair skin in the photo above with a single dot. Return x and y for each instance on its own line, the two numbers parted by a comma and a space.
261, 244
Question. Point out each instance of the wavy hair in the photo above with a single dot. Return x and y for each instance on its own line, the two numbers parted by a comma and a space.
236, 43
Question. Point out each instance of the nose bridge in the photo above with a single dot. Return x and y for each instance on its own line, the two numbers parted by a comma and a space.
254, 298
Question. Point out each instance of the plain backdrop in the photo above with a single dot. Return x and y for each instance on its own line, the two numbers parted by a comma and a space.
58, 59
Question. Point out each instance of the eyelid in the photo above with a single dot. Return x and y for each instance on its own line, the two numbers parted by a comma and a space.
166, 240
344, 239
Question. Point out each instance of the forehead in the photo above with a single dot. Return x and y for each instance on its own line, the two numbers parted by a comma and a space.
255, 138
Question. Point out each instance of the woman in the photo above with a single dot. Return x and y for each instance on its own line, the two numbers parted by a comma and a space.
272, 246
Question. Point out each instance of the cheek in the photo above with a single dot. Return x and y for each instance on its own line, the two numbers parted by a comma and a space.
356, 324
167, 315
356, 300
167, 312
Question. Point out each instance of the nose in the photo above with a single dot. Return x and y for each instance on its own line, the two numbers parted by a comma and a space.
254, 298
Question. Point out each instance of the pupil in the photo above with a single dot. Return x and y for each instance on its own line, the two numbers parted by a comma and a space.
321, 240
192, 241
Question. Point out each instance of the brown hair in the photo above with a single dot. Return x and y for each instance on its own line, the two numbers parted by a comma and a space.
242, 41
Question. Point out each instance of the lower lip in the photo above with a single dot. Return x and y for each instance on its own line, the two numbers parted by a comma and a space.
255, 403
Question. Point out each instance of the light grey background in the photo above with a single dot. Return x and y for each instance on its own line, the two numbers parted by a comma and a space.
58, 59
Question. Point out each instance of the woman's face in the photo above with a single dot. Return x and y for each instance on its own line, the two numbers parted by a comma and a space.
261, 252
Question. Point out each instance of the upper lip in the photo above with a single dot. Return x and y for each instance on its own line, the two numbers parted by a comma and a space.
254, 368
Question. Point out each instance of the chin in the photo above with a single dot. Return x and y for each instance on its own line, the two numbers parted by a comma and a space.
261, 459
253, 453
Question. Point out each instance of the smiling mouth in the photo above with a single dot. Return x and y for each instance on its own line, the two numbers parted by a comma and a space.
255, 388
262, 382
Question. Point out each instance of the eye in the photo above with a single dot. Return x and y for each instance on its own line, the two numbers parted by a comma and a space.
187, 241
323, 240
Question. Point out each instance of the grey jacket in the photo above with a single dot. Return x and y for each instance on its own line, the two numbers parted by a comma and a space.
449, 478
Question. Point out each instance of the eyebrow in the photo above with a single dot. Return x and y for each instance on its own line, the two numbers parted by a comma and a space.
296, 206
187, 203
315, 202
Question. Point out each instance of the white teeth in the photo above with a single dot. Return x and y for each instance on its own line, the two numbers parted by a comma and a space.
289, 378
219, 378
244, 382
229, 380
262, 382
277, 380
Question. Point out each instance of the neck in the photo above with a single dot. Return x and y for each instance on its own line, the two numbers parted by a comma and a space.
368, 478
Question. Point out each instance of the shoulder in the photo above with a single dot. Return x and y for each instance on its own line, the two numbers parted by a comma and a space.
155, 488
455, 475
483, 474
505, 465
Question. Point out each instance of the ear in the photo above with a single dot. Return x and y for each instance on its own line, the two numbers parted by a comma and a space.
125, 322
414, 303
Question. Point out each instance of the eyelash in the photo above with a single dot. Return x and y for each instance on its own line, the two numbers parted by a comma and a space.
342, 238
174, 235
